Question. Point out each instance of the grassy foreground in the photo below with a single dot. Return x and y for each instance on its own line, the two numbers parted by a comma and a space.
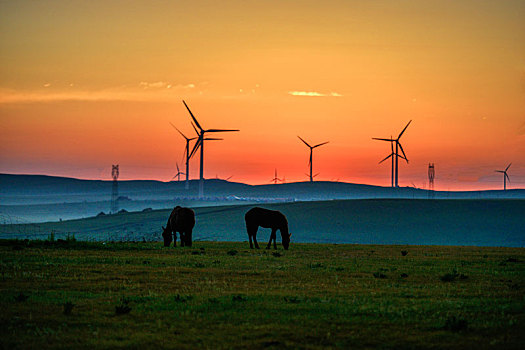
223, 295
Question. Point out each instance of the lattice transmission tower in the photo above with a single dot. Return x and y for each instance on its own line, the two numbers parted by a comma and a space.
114, 192
431, 176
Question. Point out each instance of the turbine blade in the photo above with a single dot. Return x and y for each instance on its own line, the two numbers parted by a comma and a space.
507, 176
404, 130
192, 116
324, 143
197, 145
180, 132
212, 139
220, 130
375, 138
391, 154
404, 155
508, 167
194, 128
500, 171
306, 143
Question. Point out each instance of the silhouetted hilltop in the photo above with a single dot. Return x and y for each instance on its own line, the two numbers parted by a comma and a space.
40, 189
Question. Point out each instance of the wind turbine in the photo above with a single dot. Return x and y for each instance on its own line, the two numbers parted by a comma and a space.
200, 143
505, 176
275, 178
178, 174
311, 153
392, 154
187, 155
395, 155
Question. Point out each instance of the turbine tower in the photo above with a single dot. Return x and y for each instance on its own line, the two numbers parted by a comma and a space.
396, 154
200, 144
187, 155
311, 153
505, 176
431, 176
114, 192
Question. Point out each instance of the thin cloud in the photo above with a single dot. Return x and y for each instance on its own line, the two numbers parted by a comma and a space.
164, 84
144, 91
313, 94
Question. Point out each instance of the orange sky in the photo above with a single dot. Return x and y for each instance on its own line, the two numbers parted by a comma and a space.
84, 85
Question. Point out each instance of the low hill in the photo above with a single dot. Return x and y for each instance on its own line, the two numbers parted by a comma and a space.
376, 221
36, 198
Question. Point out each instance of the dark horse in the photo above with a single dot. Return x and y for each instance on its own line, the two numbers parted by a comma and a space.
181, 220
266, 218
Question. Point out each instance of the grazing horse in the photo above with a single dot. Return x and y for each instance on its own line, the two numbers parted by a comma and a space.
266, 218
181, 220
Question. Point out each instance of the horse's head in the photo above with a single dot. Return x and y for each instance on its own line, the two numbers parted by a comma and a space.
286, 240
166, 234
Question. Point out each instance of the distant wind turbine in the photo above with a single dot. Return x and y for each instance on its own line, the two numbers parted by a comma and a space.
311, 154
505, 176
178, 174
226, 179
200, 144
395, 155
187, 155
275, 178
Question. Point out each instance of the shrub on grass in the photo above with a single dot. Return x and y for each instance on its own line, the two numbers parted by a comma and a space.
21, 297
182, 298
232, 252
239, 297
379, 274
455, 324
68, 307
404, 252
292, 300
123, 308
451, 277
276, 254
316, 265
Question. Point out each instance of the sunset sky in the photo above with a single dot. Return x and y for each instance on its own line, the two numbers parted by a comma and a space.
88, 84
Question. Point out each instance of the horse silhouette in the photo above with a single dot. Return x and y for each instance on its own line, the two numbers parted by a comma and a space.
181, 220
266, 218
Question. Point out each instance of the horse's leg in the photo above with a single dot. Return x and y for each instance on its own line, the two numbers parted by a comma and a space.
188, 237
272, 236
252, 231
182, 236
174, 238
255, 237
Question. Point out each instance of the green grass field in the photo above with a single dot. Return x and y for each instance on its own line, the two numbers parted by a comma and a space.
224, 295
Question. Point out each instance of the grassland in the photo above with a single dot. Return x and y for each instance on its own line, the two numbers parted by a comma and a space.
223, 295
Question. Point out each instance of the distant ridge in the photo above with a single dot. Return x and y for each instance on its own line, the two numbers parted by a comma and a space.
12, 186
